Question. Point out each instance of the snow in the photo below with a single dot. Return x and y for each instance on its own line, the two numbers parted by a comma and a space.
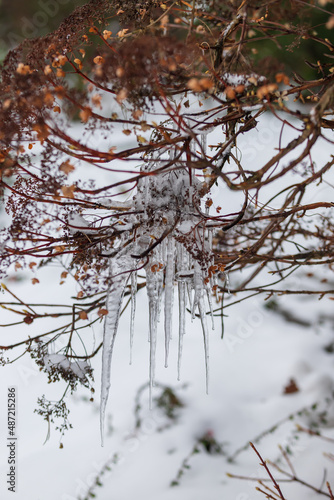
234, 79
78, 223
59, 361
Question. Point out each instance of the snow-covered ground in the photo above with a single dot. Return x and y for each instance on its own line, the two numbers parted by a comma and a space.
249, 370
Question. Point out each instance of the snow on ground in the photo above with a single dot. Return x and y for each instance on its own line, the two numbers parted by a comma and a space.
249, 369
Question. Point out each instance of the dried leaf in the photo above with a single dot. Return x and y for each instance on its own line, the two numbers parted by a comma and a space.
252, 80
62, 60
144, 126
60, 73
230, 92
330, 23
107, 34
66, 167
291, 388
265, 90
98, 60
47, 70
137, 113
45, 221
201, 85
83, 315
122, 94
42, 131
239, 89
123, 32
200, 29
23, 69
78, 62
120, 72
282, 78
193, 84
96, 100
59, 248
85, 114
102, 312
206, 83
68, 191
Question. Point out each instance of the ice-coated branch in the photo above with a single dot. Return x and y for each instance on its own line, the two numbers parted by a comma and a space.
173, 246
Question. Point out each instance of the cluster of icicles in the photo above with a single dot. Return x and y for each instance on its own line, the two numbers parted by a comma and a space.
173, 246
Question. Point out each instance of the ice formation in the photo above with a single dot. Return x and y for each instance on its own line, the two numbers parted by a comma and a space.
165, 234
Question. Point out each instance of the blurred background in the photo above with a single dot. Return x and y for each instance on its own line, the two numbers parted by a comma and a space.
20, 19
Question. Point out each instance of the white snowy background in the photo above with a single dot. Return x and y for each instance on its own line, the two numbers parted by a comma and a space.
249, 370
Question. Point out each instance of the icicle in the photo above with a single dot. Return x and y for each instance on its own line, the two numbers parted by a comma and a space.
113, 305
208, 294
190, 287
201, 309
222, 316
193, 306
210, 239
199, 299
190, 284
203, 143
169, 292
182, 276
154, 280
198, 287
214, 282
166, 203
160, 278
182, 324
133, 309
213, 276
227, 282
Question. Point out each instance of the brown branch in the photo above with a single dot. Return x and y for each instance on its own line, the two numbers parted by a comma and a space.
264, 464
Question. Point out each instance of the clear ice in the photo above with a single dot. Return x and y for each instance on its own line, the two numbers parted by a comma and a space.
165, 236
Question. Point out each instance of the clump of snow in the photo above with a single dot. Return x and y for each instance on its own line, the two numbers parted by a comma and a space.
79, 368
233, 79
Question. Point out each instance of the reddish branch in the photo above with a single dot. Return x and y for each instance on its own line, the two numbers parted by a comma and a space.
169, 56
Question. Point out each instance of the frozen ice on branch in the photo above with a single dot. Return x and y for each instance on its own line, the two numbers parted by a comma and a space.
168, 238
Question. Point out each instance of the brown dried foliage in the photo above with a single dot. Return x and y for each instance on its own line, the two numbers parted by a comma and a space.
200, 55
